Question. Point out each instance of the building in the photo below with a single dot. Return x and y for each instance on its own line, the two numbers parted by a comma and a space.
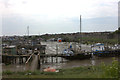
12, 50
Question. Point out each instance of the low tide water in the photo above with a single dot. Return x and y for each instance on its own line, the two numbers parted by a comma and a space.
59, 65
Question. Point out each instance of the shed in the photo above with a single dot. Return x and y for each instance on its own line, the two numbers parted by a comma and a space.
10, 50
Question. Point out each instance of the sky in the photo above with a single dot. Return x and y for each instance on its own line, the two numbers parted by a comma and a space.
57, 16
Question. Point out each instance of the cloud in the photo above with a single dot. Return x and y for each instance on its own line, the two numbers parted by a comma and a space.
18, 25
67, 8
53, 16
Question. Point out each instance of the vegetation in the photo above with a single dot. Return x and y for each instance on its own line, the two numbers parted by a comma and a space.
75, 37
117, 31
101, 71
111, 70
88, 40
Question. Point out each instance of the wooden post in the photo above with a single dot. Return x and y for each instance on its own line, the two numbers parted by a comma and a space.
15, 60
56, 59
51, 59
12, 60
61, 60
22, 59
45, 59
19, 60
39, 64
56, 53
8, 59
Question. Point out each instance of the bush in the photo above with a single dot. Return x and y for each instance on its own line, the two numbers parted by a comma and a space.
7, 72
21, 73
36, 73
111, 70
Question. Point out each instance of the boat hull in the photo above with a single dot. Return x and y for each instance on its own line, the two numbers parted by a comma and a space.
78, 57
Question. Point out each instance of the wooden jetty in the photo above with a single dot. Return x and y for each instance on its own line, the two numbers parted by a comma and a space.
85, 55
13, 59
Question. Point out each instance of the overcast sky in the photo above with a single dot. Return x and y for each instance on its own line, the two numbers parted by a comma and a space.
57, 16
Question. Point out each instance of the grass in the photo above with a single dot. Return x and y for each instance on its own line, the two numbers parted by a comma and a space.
101, 71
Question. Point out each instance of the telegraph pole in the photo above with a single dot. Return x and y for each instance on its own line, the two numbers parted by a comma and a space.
80, 24
27, 34
28, 30
80, 33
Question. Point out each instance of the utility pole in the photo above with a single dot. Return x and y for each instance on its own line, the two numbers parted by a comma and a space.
27, 34
28, 30
80, 34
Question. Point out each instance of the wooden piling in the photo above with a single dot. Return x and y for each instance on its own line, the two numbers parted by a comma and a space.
39, 62
19, 60
61, 60
56, 53
51, 59
15, 60
22, 59
56, 59
45, 59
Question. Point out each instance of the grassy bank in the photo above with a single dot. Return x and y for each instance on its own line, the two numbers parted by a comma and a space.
101, 71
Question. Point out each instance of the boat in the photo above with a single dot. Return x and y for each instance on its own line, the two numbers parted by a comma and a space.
72, 55
68, 52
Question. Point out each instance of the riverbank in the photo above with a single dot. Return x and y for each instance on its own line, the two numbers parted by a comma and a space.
100, 71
